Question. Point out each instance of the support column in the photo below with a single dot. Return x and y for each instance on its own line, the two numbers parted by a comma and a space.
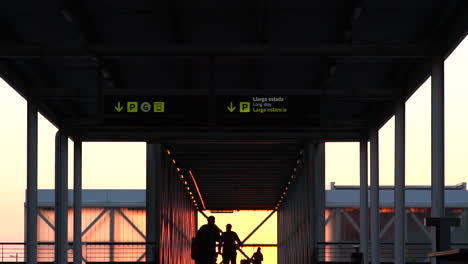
399, 199
111, 234
364, 202
338, 225
319, 190
153, 170
437, 143
77, 188
61, 197
375, 217
31, 190
309, 160
437, 138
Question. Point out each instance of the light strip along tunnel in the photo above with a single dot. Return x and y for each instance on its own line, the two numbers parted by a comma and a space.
235, 89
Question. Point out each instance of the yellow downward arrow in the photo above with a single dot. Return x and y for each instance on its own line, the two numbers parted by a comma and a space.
119, 107
231, 108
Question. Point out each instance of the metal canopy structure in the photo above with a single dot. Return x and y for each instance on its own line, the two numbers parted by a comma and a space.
356, 57
342, 68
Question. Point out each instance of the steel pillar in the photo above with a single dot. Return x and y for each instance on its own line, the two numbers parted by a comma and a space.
77, 188
31, 191
437, 141
364, 202
399, 193
338, 225
375, 217
319, 191
437, 138
61, 197
111, 234
310, 201
154, 169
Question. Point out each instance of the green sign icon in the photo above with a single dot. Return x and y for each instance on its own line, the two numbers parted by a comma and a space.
132, 107
159, 107
231, 108
244, 107
118, 107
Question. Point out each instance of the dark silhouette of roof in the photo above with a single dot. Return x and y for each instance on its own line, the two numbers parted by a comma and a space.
342, 63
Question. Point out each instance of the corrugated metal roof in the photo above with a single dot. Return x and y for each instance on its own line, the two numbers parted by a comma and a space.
98, 198
455, 197
416, 196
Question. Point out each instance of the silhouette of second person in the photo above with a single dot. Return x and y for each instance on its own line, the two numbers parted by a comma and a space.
228, 243
257, 257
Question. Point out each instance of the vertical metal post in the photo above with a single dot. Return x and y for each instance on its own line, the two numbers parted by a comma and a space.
364, 201
338, 225
406, 225
111, 234
77, 189
375, 203
437, 142
61, 197
279, 235
399, 199
437, 137
319, 191
31, 191
196, 220
154, 165
310, 201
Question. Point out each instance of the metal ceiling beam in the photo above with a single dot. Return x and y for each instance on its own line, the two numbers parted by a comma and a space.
247, 207
60, 92
118, 134
227, 196
257, 164
230, 152
241, 168
186, 50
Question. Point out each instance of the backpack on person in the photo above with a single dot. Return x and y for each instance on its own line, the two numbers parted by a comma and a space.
196, 248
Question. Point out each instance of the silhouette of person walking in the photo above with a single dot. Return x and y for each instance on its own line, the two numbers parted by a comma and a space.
228, 243
206, 237
257, 257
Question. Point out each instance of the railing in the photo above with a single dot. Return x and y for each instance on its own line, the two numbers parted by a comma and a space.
91, 252
341, 251
139, 251
12, 252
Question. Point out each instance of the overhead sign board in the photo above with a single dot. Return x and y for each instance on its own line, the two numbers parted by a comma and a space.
236, 110
164, 110
260, 110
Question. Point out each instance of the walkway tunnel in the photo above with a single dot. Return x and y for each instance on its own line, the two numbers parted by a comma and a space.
286, 177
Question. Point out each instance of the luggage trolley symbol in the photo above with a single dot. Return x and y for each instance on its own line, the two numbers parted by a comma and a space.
159, 107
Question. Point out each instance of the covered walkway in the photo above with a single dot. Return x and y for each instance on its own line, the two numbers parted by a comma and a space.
235, 101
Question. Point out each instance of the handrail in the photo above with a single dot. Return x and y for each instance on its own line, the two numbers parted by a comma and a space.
91, 251
341, 251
